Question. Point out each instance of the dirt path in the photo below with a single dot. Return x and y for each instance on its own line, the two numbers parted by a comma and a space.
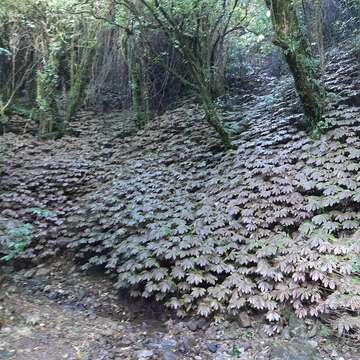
55, 312
48, 326
48, 331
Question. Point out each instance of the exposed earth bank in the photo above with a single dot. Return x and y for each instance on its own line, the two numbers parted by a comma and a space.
54, 313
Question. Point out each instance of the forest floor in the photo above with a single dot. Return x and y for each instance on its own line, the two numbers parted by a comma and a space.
53, 311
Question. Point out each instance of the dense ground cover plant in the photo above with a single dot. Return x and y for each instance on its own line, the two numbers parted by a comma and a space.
271, 225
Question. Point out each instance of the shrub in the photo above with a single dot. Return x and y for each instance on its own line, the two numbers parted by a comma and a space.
15, 241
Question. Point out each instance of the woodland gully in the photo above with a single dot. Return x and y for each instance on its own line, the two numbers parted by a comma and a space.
204, 154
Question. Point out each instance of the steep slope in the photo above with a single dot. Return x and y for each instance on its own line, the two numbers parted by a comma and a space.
268, 225
172, 216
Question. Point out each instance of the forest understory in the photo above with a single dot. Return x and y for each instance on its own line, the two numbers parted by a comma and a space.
132, 194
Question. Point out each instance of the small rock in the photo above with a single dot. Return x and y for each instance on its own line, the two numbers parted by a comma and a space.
168, 344
43, 272
6, 330
328, 348
80, 307
202, 323
185, 344
192, 325
293, 350
5, 354
312, 332
91, 316
83, 293
297, 327
53, 295
244, 320
127, 340
168, 355
144, 354
212, 347
11, 289
107, 332
30, 273
47, 288
286, 334
24, 331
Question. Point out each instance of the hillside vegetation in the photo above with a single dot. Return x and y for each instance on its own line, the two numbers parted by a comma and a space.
210, 200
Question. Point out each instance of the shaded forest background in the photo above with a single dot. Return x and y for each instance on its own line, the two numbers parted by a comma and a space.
59, 56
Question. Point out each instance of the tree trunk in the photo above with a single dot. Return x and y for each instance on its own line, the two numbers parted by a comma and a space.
218, 69
289, 36
138, 82
78, 69
136, 57
320, 35
48, 116
212, 117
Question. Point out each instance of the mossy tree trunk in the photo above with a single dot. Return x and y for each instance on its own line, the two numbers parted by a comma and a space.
136, 56
79, 63
320, 35
357, 7
138, 81
290, 37
212, 117
50, 122
201, 78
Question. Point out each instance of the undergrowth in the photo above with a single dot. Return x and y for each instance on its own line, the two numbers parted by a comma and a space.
16, 240
270, 226
22, 111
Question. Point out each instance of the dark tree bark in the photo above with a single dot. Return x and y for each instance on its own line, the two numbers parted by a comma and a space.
139, 87
289, 36
320, 35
